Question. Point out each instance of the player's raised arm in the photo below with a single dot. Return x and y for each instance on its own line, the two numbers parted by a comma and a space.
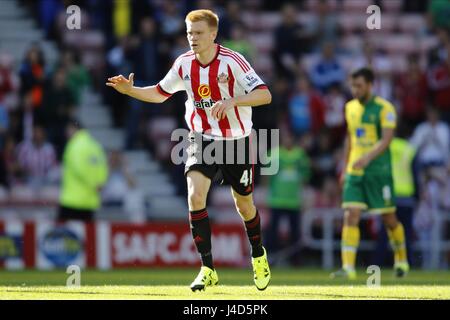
126, 86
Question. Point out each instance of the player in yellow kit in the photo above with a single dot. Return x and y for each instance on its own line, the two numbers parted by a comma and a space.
368, 183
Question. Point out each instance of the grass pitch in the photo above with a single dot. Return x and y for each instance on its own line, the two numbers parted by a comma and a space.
171, 284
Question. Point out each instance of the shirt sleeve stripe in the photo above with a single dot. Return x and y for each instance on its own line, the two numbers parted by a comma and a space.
162, 91
261, 86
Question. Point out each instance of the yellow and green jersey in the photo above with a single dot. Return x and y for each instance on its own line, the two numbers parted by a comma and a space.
365, 124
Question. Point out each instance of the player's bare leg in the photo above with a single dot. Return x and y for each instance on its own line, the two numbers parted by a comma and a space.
396, 235
246, 208
198, 187
349, 244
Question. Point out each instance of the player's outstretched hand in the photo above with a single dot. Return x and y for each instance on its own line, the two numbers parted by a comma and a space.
121, 84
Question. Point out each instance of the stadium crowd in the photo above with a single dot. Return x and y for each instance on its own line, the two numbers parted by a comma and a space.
306, 63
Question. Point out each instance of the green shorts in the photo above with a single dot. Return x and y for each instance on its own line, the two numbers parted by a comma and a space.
374, 193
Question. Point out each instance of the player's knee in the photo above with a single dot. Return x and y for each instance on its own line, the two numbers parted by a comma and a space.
390, 221
351, 217
245, 208
197, 201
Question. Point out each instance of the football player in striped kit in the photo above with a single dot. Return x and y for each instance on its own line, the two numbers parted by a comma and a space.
222, 88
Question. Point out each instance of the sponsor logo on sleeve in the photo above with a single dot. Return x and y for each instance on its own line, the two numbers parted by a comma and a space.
251, 79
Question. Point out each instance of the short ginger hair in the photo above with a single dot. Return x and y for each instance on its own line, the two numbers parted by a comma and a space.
204, 15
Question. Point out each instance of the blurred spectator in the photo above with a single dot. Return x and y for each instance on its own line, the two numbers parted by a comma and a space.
4, 124
324, 26
170, 19
426, 215
7, 94
32, 76
431, 140
438, 78
6, 78
118, 62
146, 60
323, 161
119, 180
11, 168
37, 159
27, 114
446, 192
78, 77
100, 15
411, 92
145, 54
380, 63
140, 10
238, 42
335, 100
6, 87
85, 171
288, 42
440, 48
328, 71
306, 108
285, 191
58, 108
280, 98
120, 189
230, 18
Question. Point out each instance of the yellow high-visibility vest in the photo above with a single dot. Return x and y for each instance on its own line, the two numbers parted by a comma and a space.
85, 169
402, 156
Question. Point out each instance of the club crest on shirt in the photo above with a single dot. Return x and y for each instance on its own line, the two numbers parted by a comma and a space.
390, 116
222, 78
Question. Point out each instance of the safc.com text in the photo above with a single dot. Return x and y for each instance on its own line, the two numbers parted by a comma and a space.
261, 147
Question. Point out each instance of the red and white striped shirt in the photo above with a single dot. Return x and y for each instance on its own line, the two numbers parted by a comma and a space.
226, 76
36, 161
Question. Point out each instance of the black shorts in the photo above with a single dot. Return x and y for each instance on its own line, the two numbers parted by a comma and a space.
65, 214
227, 161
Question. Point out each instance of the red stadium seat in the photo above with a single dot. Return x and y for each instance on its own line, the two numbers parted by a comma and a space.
356, 5
399, 44
350, 22
392, 5
409, 23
